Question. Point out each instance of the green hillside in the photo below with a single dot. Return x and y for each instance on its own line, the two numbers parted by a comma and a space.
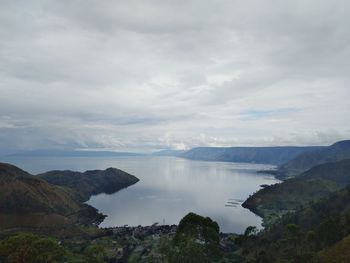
311, 234
30, 203
90, 182
273, 201
21, 192
304, 161
338, 253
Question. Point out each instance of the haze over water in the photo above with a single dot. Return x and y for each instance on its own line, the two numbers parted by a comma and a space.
168, 189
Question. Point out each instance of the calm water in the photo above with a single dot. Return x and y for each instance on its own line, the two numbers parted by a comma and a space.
169, 188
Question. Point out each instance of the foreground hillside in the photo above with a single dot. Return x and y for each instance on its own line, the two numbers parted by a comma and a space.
304, 161
338, 253
264, 155
22, 192
315, 233
30, 202
275, 200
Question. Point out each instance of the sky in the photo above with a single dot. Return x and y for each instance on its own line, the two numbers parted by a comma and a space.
143, 76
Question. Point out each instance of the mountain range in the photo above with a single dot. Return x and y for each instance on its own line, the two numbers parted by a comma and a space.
264, 155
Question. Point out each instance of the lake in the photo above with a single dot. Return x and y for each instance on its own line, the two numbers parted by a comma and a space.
168, 189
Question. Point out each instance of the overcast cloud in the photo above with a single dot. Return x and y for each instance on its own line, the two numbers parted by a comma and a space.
149, 75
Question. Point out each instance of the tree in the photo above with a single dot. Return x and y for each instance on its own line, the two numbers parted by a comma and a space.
95, 253
28, 248
250, 231
196, 239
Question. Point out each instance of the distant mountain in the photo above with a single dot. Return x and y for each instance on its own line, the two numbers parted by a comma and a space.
168, 153
66, 153
273, 201
90, 182
306, 160
30, 202
264, 155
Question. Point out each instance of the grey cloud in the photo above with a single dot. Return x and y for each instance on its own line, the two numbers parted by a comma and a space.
145, 75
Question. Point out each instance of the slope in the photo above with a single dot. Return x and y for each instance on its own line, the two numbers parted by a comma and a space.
311, 234
304, 161
275, 200
265, 155
27, 201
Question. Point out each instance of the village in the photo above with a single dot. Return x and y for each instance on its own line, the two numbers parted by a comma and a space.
144, 243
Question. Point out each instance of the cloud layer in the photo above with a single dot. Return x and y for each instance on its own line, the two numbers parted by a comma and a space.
148, 75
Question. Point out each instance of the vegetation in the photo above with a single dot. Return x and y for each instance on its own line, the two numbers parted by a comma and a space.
319, 232
29, 248
89, 183
311, 234
338, 253
196, 240
273, 201
29, 202
266, 155
21, 192
304, 161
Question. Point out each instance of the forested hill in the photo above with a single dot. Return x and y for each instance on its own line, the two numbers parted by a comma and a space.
318, 232
304, 161
91, 182
21, 192
264, 155
30, 203
320, 181
53, 204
